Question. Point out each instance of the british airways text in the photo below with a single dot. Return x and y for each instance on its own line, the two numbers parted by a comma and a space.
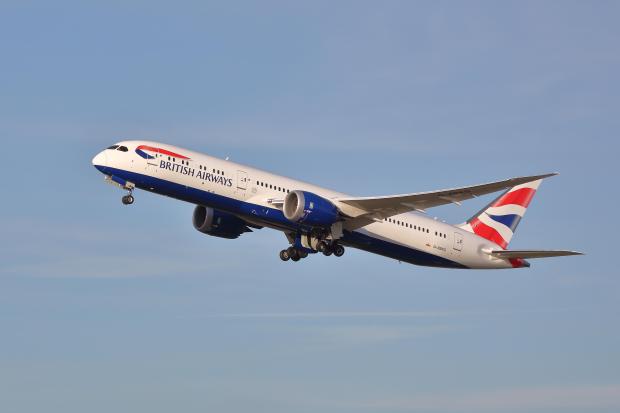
204, 175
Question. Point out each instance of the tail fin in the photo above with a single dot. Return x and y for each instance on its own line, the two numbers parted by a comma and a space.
498, 221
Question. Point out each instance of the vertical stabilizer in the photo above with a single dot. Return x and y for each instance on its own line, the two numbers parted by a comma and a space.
498, 221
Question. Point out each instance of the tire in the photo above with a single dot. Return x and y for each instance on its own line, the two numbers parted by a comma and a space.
322, 247
284, 255
295, 258
302, 253
338, 250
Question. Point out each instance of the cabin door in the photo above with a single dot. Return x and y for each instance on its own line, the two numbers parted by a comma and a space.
242, 180
458, 241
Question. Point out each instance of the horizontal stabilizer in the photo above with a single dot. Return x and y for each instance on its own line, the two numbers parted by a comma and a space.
511, 254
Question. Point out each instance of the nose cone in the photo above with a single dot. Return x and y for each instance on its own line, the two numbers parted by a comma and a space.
100, 161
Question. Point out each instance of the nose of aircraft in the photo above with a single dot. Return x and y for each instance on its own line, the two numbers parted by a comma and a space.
100, 161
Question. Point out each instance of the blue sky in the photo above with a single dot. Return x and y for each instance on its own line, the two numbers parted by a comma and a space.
109, 308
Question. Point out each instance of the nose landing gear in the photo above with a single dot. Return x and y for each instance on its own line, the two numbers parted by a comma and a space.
127, 199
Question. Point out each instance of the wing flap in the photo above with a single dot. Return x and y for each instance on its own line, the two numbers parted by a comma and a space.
511, 254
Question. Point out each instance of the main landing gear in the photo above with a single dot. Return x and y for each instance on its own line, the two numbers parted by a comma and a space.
327, 249
292, 253
330, 248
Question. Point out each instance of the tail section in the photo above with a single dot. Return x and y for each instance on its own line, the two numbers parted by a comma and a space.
498, 221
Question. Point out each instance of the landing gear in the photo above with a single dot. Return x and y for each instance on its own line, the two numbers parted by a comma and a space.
324, 246
338, 250
329, 249
293, 254
127, 199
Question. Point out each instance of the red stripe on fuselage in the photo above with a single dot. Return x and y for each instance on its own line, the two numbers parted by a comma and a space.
162, 151
521, 197
485, 231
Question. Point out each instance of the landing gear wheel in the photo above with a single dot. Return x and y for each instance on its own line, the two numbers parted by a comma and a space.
338, 250
293, 253
327, 252
302, 253
127, 199
284, 256
322, 247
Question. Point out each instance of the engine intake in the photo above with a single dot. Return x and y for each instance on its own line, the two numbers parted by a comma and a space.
217, 223
308, 208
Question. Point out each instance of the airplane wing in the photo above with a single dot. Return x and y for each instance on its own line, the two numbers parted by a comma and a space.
370, 209
508, 254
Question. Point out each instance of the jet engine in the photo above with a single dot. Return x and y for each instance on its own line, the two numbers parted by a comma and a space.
308, 208
217, 223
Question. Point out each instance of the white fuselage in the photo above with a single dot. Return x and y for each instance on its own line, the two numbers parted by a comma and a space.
226, 185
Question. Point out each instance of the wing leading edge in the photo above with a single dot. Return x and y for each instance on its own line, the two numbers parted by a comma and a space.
369, 209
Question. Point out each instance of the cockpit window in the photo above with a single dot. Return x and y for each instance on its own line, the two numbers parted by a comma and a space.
122, 149
113, 147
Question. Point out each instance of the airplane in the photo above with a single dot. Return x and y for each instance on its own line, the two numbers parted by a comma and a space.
232, 199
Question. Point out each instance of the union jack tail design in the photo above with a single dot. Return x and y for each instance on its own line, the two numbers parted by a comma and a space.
498, 221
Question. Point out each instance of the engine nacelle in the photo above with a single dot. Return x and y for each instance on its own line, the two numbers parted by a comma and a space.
308, 208
217, 223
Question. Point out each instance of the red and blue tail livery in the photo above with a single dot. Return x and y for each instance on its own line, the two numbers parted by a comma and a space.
499, 220
232, 200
